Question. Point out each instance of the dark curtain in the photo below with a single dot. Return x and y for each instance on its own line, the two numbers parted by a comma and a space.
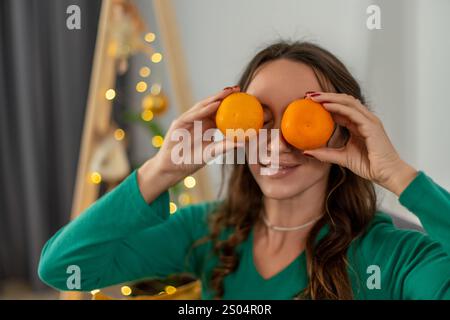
44, 79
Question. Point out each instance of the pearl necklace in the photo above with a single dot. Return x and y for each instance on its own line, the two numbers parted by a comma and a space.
277, 228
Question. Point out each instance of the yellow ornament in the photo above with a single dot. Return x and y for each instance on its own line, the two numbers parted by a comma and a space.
156, 103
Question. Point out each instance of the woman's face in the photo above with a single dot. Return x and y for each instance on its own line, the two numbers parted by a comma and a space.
275, 85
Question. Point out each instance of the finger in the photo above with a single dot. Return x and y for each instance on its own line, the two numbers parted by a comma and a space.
218, 96
341, 120
331, 155
344, 99
345, 122
208, 123
352, 114
202, 113
224, 146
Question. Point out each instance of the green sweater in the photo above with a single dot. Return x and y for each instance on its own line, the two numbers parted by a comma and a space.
122, 238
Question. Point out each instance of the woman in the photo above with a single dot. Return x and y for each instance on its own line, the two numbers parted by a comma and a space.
311, 231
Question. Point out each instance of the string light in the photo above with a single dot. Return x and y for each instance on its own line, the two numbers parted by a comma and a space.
157, 141
141, 86
173, 207
110, 94
119, 134
126, 290
189, 182
155, 89
184, 199
96, 177
113, 48
145, 72
170, 289
147, 115
156, 57
150, 37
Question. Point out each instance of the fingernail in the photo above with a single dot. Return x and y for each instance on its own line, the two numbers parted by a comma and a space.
307, 93
236, 87
308, 155
227, 88
314, 94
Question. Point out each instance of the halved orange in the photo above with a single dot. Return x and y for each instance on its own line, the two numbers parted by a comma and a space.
306, 124
239, 111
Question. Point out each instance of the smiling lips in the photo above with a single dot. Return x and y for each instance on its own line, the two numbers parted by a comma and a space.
281, 165
282, 170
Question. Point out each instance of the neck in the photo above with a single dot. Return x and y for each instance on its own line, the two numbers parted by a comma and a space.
298, 210
292, 212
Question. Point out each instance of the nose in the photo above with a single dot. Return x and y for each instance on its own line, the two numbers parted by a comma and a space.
283, 145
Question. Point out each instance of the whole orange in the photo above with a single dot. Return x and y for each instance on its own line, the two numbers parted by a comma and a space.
306, 124
239, 111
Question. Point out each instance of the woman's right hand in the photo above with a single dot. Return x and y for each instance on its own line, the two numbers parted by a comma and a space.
160, 172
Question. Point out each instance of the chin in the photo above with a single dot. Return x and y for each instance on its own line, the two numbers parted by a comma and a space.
290, 181
281, 193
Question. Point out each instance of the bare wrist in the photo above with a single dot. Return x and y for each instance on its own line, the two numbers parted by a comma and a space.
402, 175
153, 180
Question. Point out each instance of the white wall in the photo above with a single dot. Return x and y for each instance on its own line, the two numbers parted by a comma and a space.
433, 84
403, 68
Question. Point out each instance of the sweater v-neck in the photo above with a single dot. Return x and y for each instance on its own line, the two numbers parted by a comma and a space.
297, 262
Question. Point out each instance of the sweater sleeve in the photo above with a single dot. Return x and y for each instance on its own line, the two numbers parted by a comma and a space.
427, 271
431, 204
412, 265
122, 238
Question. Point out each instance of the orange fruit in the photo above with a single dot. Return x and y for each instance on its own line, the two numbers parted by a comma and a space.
239, 111
306, 124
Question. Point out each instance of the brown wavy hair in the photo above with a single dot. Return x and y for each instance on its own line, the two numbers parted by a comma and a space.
350, 203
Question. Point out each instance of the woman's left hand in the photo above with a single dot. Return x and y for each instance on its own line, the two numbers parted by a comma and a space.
369, 152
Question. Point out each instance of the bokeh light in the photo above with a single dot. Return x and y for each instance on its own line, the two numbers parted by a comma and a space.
189, 182
155, 89
119, 134
145, 72
141, 86
95, 177
156, 57
110, 94
170, 289
172, 207
184, 199
126, 290
150, 37
157, 141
